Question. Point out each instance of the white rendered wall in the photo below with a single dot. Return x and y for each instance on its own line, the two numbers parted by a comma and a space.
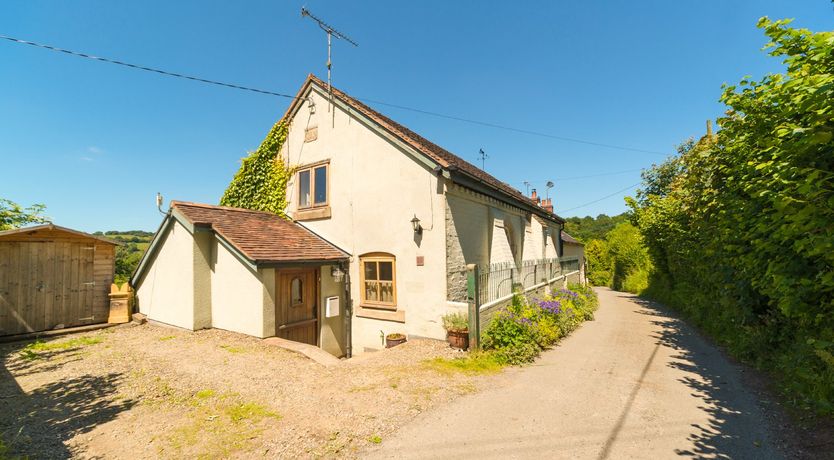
166, 291
375, 190
237, 296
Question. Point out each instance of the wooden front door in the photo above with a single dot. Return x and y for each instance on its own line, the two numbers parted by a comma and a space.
297, 309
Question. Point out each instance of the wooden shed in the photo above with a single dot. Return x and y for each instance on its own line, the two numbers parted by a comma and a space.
53, 277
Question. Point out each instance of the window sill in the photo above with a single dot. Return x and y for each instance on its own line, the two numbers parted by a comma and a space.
322, 212
384, 315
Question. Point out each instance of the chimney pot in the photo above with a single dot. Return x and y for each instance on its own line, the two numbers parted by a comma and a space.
534, 195
548, 204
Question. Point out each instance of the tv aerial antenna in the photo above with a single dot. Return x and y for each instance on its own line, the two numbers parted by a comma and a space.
483, 156
331, 32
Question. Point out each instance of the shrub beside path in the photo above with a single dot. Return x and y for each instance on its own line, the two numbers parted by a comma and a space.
634, 383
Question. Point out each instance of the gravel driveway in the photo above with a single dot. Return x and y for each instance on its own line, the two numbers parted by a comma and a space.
635, 383
150, 391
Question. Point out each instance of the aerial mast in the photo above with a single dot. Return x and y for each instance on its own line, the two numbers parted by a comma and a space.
483, 156
331, 32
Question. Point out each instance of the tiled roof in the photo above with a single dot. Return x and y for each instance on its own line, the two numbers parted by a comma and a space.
261, 237
569, 239
440, 155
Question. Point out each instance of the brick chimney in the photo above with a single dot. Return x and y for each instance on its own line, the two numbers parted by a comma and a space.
535, 197
548, 205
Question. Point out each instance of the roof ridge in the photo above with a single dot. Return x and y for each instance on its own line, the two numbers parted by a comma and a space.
226, 208
407, 131
439, 154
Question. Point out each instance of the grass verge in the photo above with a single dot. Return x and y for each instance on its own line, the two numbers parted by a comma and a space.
474, 363
36, 349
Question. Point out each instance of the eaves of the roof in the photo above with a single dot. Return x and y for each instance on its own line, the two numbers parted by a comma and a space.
258, 239
51, 226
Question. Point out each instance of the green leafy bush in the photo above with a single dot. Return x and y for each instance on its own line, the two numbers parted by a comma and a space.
627, 253
737, 225
620, 261
599, 263
518, 333
587, 300
637, 281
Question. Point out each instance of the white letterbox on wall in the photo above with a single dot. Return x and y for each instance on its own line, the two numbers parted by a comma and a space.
331, 307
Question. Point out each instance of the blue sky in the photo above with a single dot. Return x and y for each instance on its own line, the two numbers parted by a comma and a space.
94, 142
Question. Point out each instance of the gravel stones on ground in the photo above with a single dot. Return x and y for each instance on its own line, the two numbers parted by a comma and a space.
149, 391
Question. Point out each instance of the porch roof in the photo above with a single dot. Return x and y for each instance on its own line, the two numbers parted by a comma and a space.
261, 237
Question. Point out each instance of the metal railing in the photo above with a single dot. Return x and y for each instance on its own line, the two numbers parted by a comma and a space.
498, 281
494, 285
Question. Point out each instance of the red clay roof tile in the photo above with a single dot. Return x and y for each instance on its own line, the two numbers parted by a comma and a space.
262, 237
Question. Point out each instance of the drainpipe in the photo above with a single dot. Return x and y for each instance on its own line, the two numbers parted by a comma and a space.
561, 243
348, 311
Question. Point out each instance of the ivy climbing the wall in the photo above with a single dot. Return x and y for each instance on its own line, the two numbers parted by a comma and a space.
261, 182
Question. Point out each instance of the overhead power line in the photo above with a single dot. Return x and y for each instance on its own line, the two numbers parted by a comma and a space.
562, 211
589, 176
510, 128
148, 69
372, 101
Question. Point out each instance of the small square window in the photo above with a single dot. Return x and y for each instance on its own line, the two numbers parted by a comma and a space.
313, 186
379, 281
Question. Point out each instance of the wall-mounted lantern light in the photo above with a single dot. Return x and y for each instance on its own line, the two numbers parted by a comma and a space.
337, 274
415, 223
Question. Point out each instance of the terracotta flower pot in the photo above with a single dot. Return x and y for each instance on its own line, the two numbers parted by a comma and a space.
458, 339
392, 340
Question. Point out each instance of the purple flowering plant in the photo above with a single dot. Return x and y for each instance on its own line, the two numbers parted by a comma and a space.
553, 307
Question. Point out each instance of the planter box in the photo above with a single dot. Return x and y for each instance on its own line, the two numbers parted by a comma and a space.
390, 343
458, 339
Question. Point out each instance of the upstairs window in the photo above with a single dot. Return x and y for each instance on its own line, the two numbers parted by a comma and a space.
313, 185
379, 285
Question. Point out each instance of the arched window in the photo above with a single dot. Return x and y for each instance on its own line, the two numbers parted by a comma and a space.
378, 272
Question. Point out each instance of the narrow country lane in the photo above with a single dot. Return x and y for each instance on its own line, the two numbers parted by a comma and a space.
634, 383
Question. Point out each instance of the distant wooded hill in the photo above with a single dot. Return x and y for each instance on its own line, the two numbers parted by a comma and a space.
590, 228
128, 255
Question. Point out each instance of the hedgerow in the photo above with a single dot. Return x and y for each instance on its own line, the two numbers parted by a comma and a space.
739, 225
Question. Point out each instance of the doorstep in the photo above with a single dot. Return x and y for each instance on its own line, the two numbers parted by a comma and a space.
311, 351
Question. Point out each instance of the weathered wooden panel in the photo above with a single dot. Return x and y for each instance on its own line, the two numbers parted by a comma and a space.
297, 306
5, 295
43, 284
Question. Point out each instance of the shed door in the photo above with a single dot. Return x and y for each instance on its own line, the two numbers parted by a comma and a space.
45, 284
297, 306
